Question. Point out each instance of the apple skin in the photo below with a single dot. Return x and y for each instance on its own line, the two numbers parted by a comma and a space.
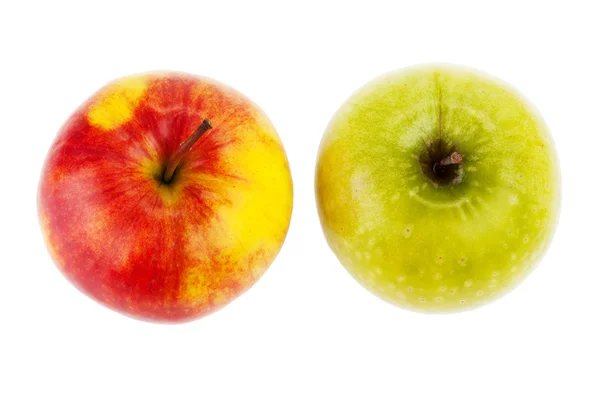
414, 241
165, 252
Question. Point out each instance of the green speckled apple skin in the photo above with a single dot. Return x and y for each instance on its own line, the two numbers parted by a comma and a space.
420, 244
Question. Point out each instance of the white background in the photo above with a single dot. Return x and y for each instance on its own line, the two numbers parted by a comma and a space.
306, 330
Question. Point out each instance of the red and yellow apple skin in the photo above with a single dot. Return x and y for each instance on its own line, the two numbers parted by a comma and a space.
165, 252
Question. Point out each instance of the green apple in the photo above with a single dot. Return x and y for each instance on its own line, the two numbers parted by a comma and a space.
438, 187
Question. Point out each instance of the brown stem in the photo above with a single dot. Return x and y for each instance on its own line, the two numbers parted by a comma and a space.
184, 148
452, 159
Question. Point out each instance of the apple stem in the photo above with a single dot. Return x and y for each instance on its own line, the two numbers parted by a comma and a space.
184, 148
453, 159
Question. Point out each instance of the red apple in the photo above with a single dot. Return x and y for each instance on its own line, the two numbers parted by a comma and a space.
165, 196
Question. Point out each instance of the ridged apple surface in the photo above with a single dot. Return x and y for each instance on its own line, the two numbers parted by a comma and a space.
437, 187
